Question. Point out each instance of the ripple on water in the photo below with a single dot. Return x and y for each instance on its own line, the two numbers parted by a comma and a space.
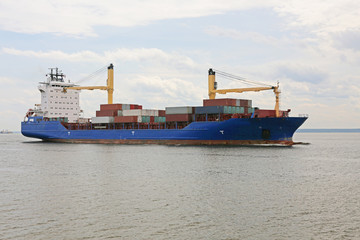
84, 191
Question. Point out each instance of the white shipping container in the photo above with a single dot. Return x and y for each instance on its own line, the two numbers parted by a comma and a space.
126, 107
150, 112
132, 112
140, 112
102, 119
179, 110
84, 120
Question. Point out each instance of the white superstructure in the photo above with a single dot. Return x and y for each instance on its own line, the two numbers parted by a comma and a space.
55, 102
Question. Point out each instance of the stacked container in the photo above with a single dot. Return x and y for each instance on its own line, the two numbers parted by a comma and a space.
220, 102
265, 113
179, 114
116, 106
109, 112
227, 102
219, 110
139, 115
162, 113
140, 112
102, 119
106, 113
160, 119
232, 105
125, 119
212, 109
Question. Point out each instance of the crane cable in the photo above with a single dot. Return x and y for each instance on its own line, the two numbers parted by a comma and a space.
94, 75
241, 79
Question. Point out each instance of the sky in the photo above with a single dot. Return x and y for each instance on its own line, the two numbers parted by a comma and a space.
162, 50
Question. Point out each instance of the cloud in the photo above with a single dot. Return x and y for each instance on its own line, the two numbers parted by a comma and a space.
79, 17
7, 81
174, 89
321, 16
238, 35
121, 54
15, 100
301, 73
348, 39
83, 56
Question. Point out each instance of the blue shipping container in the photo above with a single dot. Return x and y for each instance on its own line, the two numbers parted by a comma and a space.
211, 110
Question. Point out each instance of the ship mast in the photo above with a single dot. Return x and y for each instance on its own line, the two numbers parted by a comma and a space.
57, 76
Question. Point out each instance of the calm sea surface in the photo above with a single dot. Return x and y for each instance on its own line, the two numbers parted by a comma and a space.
91, 191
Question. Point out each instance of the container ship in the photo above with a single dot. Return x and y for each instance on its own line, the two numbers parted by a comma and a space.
223, 121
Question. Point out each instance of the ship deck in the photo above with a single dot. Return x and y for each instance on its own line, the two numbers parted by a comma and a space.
149, 125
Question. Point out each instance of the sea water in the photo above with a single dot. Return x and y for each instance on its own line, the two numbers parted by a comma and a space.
94, 191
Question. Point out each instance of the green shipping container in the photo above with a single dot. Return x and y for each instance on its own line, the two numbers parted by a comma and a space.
227, 109
145, 119
233, 110
160, 119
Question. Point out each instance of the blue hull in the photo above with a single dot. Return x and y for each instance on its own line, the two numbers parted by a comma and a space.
236, 131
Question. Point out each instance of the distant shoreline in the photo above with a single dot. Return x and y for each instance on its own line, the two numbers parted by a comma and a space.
329, 130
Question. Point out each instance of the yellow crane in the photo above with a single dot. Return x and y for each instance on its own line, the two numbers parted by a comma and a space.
213, 89
109, 85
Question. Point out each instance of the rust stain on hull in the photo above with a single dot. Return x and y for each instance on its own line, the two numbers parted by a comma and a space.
176, 142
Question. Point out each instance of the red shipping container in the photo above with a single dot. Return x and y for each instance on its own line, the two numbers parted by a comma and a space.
244, 103
162, 113
178, 117
106, 113
152, 119
263, 113
220, 102
140, 107
105, 107
126, 119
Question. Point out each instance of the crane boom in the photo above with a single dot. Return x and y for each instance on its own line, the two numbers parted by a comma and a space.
88, 88
241, 90
109, 85
213, 90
